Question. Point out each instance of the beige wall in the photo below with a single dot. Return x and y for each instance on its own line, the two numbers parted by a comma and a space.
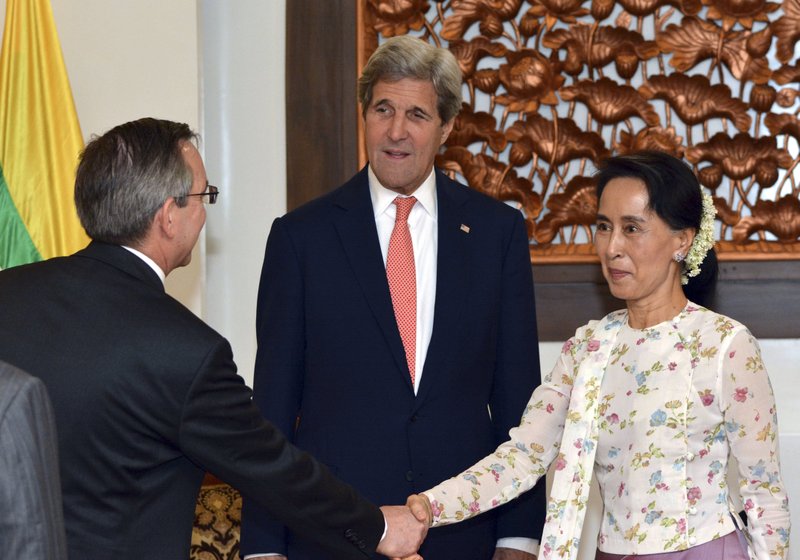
128, 59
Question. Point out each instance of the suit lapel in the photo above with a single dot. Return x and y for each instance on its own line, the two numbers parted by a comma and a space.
452, 280
355, 225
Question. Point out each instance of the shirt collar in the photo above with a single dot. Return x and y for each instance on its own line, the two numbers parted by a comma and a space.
382, 197
150, 262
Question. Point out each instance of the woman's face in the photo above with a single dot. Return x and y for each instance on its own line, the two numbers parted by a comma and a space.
635, 246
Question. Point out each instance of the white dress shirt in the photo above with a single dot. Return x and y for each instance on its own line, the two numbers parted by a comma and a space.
150, 262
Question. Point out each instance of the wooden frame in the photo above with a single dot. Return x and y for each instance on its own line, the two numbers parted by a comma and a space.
321, 105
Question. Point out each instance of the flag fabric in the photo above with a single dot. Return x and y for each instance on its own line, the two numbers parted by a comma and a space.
40, 140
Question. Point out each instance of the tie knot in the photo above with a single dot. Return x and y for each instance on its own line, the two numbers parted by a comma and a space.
404, 206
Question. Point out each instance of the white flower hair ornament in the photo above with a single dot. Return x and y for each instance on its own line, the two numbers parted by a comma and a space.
703, 241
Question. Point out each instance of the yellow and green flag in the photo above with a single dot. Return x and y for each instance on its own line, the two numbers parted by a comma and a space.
40, 140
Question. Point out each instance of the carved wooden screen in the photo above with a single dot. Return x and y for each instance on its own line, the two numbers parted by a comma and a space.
328, 41
553, 86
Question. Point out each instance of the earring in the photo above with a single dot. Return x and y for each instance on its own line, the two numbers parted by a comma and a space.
677, 257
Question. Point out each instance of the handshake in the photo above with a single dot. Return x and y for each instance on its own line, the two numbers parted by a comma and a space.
406, 528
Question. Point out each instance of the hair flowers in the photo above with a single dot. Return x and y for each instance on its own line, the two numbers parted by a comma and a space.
703, 241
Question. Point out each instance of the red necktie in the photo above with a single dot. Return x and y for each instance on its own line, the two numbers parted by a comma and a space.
402, 275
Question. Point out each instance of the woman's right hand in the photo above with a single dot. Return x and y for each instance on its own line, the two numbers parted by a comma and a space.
420, 506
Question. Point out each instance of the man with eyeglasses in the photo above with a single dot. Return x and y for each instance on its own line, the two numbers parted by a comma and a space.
145, 394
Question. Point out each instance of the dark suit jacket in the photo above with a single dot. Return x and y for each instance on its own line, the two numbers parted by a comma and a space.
31, 518
146, 399
330, 353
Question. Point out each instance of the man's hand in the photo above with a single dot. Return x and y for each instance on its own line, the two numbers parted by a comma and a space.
404, 532
512, 554
420, 506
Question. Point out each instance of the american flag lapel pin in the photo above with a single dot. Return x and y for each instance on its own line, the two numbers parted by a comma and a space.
465, 228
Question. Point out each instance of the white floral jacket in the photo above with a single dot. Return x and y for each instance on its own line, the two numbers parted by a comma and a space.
654, 414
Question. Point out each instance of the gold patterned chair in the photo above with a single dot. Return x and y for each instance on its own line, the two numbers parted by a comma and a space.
217, 521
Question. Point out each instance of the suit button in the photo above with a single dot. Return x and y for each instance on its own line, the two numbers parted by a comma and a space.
410, 476
414, 417
349, 534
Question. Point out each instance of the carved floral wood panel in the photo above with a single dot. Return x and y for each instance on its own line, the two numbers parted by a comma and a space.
553, 86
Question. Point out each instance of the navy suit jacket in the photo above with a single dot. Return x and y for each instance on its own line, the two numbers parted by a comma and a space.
146, 399
331, 370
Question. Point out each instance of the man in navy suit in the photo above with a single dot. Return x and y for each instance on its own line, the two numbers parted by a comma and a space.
145, 394
397, 335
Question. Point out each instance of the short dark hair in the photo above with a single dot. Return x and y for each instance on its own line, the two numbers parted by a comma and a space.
126, 175
675, 195
410, 57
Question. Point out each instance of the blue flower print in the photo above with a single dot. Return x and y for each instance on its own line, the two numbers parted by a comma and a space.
651, 517
658, 418
719, 437
732, 427
715, 468
652, 334
757, 471
655, 478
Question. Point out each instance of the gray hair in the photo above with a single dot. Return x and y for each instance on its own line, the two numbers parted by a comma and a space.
126, 175
408, 57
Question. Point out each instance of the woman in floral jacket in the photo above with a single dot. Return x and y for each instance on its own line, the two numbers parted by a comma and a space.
652, 400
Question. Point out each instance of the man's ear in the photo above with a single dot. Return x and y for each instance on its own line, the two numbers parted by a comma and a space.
446, 129
165, 218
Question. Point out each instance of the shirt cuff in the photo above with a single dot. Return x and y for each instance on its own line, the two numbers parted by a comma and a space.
385, 530
260, 555
524, 544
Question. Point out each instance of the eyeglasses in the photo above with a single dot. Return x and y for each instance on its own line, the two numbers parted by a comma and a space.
211, 192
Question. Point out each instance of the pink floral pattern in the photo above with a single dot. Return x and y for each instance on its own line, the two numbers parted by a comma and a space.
675, 401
